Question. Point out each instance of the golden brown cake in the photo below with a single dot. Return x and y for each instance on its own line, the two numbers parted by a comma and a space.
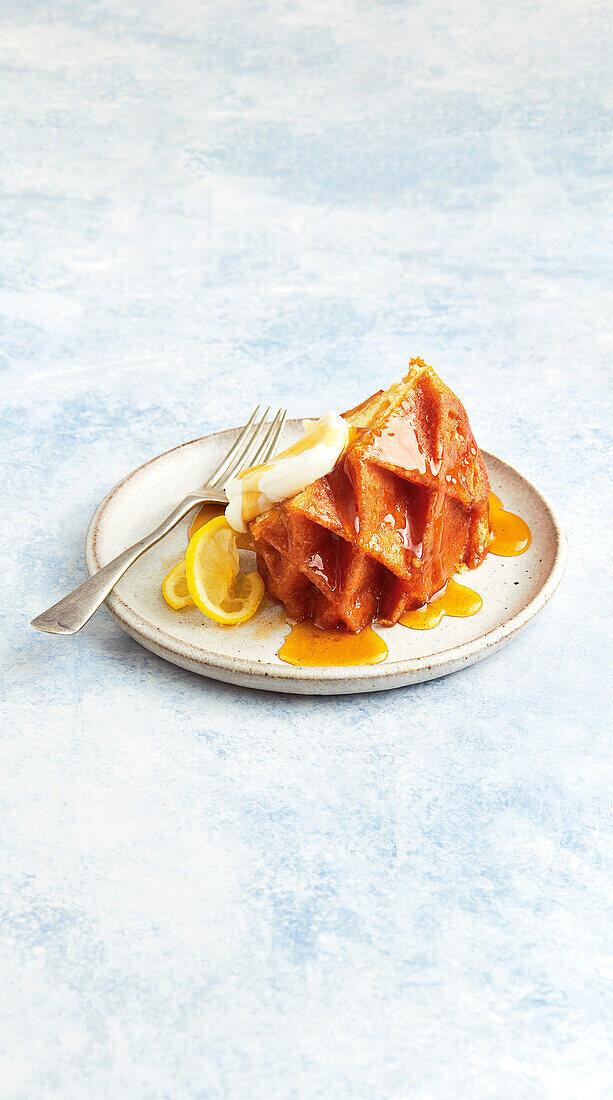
405, 508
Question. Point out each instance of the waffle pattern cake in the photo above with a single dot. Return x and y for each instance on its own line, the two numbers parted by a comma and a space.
404, 509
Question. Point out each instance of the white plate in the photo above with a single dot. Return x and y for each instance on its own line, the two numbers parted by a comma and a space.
514, 590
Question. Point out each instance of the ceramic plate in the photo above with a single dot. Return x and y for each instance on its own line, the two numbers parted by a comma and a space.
514, 590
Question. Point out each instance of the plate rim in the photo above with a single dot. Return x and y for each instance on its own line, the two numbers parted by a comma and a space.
218, 666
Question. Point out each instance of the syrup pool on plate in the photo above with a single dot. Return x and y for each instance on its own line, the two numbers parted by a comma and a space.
307, 645
210, 511
510, 533
206, 513
457, 600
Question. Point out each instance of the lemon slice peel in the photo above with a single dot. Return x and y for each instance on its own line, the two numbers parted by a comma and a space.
174, 588
214, 580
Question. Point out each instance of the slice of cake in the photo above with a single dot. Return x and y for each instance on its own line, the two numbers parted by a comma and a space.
405, 507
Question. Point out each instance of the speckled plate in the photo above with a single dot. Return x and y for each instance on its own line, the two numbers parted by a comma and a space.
514, 590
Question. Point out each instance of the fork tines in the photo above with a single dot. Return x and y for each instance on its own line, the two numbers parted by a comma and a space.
256, 443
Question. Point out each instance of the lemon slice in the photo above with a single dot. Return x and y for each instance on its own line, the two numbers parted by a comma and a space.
213, 575
174, 588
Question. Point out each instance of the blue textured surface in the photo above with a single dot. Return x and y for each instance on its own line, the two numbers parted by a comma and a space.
213, 893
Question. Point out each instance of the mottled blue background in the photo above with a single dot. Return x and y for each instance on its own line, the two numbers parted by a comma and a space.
209, 892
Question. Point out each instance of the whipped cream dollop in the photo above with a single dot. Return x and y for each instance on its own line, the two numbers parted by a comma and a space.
256, 489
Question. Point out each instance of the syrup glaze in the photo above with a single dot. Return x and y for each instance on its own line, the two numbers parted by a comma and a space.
458, 601
343, 493
398, 444
510, 534
307, 645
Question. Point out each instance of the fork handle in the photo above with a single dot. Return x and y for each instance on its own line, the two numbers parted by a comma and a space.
76, 609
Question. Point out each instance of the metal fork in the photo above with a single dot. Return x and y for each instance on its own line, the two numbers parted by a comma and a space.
253, 445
